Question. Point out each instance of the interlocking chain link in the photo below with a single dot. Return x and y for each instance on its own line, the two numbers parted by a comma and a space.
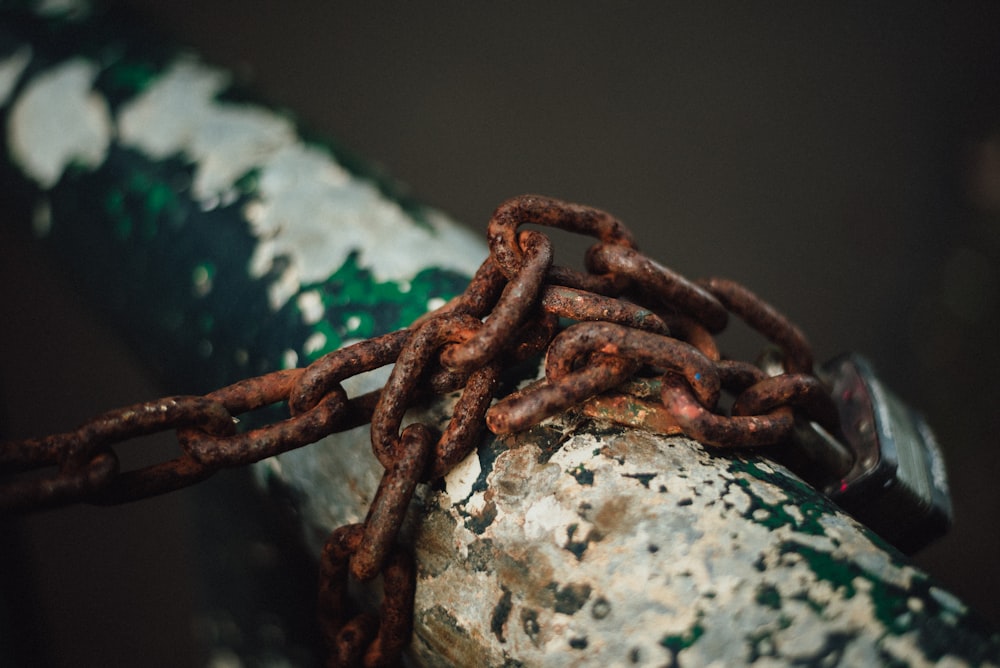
641, 329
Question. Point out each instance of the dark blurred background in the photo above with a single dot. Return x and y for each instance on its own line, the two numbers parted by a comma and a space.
842, 160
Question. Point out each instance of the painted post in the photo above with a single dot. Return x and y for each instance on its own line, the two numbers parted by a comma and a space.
226, 244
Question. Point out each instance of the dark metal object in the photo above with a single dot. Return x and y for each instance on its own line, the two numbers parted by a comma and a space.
897, 484
637, 320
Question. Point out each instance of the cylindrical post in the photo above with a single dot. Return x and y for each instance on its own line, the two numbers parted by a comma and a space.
224, 244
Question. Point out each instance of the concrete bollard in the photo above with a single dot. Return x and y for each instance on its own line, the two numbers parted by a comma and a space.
226, 245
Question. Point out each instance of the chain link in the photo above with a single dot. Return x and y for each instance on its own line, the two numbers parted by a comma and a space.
643, 340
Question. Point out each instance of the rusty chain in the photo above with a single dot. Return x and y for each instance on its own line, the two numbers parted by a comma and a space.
644, 335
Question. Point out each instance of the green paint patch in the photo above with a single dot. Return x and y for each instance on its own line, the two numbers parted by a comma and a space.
577, 547
501, 613
676, 643
582, 475
477, 524
838, 572
940, 630
569, 599
767, 595
141, 206
802, 509
357, 306
643, 478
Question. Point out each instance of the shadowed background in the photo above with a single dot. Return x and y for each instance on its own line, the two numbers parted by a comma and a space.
844, 162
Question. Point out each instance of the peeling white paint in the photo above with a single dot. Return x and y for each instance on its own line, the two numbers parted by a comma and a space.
459, 481
315, 343
179, 115
310, 303
59, 120
335, 214
11, 68
71, 9
658, 534
308, 210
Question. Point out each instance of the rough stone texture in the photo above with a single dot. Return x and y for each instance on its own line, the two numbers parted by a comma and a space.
580, 542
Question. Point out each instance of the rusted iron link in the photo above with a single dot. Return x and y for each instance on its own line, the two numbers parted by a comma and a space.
691, 331
517, 300
645, 347
766, 319
533, 337
325, 374
736, 376
151, 480
388, 509
745, 431
364, 639
654, 280
479, 296
467, 417
204, 413
414, 359
76, 448
538, 210
526, 408
66, 485
31, 453
466, 423
87, 468
399, 583
804, 392
588, 306
345, 642
257, 444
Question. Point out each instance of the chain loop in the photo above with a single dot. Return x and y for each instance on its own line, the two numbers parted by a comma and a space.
790, 389
667, 287
589, 306
516, 301
501, 234
643, 347
414, 359
388, 508
743, 431
766, 319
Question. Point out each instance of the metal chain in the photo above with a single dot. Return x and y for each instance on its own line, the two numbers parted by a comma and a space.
643, 336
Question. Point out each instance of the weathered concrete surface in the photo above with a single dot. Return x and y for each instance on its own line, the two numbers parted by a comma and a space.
574, 543
584, 543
